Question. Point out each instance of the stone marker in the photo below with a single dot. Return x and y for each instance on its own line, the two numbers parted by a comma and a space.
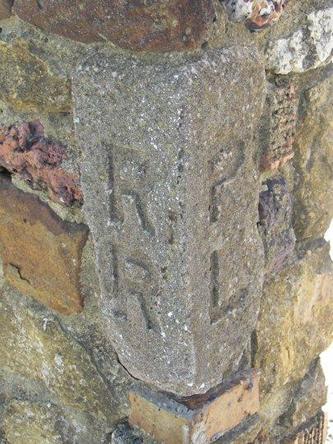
199, 420
166, 148
159, 25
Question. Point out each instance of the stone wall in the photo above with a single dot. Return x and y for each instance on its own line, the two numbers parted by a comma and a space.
166, 182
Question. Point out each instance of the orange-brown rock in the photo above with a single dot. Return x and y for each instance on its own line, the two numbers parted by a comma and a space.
41, 253
25, 151
201, 418
155, 25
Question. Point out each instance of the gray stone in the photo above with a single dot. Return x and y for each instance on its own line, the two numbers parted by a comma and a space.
166, 149
307, 48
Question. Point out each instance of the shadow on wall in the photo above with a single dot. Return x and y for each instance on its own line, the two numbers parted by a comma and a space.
327, 362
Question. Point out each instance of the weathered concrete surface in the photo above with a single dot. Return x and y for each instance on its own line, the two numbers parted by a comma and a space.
41, 253
166, 149
157, 26
197, 420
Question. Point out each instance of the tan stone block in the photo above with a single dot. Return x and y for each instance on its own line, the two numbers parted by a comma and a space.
314, 163
42, 365
30, 84
5, 8
41, 253
295, 321
199, 419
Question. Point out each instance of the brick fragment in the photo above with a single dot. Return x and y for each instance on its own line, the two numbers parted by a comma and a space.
25, 151
198, 419
140, 25
41, 253
282, 103
256, 14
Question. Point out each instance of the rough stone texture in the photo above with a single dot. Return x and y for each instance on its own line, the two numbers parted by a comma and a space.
275, 216
24, 150
31, 85
41, 254
181, 190
126, 434
257, 14
164, 170
313, 432
156, 26
5, 8
25, 422
309, 396
197, 420
279, 126
314, 163
294, 325
50, 387
307, 48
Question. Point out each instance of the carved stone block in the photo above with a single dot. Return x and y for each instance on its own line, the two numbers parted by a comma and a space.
166, 148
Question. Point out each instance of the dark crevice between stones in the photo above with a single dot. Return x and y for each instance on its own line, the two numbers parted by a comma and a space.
18, 270
5, 174
254, 347
67, 333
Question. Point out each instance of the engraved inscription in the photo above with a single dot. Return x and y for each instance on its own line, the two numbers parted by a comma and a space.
134, 279
118, 193
223, 169
215, 271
